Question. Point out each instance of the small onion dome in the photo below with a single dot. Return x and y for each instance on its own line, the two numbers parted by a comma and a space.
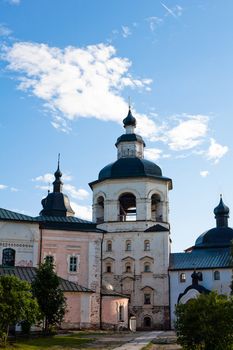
221, 209
58, 173
129, 120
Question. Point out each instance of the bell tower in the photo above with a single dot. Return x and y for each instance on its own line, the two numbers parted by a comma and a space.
130, 202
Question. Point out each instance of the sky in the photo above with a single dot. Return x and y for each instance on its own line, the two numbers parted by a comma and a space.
67, 70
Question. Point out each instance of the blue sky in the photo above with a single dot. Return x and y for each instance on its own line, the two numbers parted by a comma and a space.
66, 71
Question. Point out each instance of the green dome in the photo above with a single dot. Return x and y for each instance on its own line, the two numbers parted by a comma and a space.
215, 237
130, 167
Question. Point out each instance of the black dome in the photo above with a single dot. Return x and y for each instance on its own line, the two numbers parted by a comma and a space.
221, 209
215, 237
130, 167
56, 204
129, 120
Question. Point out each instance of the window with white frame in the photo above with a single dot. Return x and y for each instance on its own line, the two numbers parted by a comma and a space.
73, 263
182, 277
147, 245
216, 275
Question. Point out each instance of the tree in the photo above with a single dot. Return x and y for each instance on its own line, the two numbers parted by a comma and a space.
50, 297
16, 304
206, 323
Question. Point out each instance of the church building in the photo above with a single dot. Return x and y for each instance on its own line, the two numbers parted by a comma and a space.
120, 265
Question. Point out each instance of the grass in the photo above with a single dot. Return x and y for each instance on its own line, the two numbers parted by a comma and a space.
57, 342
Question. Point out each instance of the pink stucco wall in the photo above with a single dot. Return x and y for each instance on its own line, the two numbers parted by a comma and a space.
86, 247
73, 300
62, 244
110, 311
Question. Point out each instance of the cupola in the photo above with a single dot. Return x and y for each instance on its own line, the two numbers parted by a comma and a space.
57, 203
219, 236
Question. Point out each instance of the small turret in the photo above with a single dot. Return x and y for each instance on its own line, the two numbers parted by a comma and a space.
57, 203
221, 214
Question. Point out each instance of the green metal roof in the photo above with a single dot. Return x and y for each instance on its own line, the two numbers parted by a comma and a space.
201, 259
11, 215
69, 223
28, 274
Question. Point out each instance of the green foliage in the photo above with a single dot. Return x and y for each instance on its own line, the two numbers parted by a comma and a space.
16, 304
206, 323
50, 297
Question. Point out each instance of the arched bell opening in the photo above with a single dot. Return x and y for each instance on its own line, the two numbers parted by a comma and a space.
127, 207
156, 208
100, 209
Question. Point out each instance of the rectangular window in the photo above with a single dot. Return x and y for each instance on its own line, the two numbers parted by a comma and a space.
73, 264
182, 277
147, 298
121, 313
108, 268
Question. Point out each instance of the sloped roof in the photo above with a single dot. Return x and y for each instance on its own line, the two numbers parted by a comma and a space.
112, 293
11, 215
28, 274
52, 222
156, 228
201, 259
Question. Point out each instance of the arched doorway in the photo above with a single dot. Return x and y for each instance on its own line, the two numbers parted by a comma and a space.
147, 322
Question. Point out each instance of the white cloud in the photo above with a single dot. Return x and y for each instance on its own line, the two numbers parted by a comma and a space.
216, 151
204, 173
153, 153
189, 133
126, 31
82, 211
4, 30
49, 178
74, 82
74, 192
68, 188
3, 187
87, 83
154, 22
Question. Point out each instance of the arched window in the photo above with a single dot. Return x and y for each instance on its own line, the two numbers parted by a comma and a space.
109, 246
100, 210
8, 257
128, 267
147, 267
216, 275
156, 208
128, 246
127, 204
146, 245
182, 277
147, 322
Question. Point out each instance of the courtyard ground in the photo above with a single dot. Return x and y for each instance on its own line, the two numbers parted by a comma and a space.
99, 341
